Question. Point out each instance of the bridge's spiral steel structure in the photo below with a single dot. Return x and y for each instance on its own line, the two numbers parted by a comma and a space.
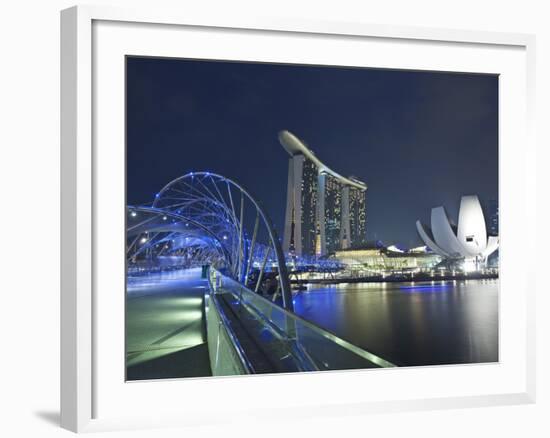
206, 218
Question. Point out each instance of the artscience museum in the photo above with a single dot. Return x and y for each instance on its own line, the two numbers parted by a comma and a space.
468, 240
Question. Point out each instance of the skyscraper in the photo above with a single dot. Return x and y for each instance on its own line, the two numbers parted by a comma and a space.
324, 211
492, 217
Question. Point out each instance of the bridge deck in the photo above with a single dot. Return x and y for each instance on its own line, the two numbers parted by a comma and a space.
165, 326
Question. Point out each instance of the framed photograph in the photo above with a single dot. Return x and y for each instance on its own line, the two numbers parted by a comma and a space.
334, 214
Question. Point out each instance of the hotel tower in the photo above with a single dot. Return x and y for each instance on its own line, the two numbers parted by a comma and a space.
325, 211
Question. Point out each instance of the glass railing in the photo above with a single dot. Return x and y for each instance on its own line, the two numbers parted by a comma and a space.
291, 337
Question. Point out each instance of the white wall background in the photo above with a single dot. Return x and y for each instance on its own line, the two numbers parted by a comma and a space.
29, 215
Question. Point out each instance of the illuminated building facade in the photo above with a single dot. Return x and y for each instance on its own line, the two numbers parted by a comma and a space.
354, 203
381, 259
492, 217
330, 213
325, 211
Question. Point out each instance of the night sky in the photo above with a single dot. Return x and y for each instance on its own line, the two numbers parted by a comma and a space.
417, 139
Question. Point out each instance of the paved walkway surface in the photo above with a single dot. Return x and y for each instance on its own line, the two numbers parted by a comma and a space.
165, 327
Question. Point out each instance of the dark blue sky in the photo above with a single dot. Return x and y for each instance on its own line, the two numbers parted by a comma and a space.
418, 139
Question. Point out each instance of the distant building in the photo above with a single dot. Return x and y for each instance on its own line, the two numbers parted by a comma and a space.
325, 211
383, 259
492, 217
469, 240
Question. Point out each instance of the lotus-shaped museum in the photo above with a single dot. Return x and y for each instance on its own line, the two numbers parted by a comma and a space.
468, 240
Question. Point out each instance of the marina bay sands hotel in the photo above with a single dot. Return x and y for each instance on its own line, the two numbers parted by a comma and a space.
325, 211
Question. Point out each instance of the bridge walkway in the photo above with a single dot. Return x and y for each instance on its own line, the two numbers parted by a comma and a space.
165, 326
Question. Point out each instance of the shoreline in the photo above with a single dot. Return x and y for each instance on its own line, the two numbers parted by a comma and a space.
400, 279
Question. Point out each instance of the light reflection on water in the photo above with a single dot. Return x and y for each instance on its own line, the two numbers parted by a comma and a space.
415, 323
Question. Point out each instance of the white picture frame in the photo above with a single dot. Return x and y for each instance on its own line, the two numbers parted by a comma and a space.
82, 171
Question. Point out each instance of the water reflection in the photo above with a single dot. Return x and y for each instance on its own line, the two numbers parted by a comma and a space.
416, 323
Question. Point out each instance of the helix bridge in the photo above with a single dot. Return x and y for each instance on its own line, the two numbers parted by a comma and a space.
203, 218
205, 222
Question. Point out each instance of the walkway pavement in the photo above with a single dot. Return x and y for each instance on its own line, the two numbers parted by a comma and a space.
165, 328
